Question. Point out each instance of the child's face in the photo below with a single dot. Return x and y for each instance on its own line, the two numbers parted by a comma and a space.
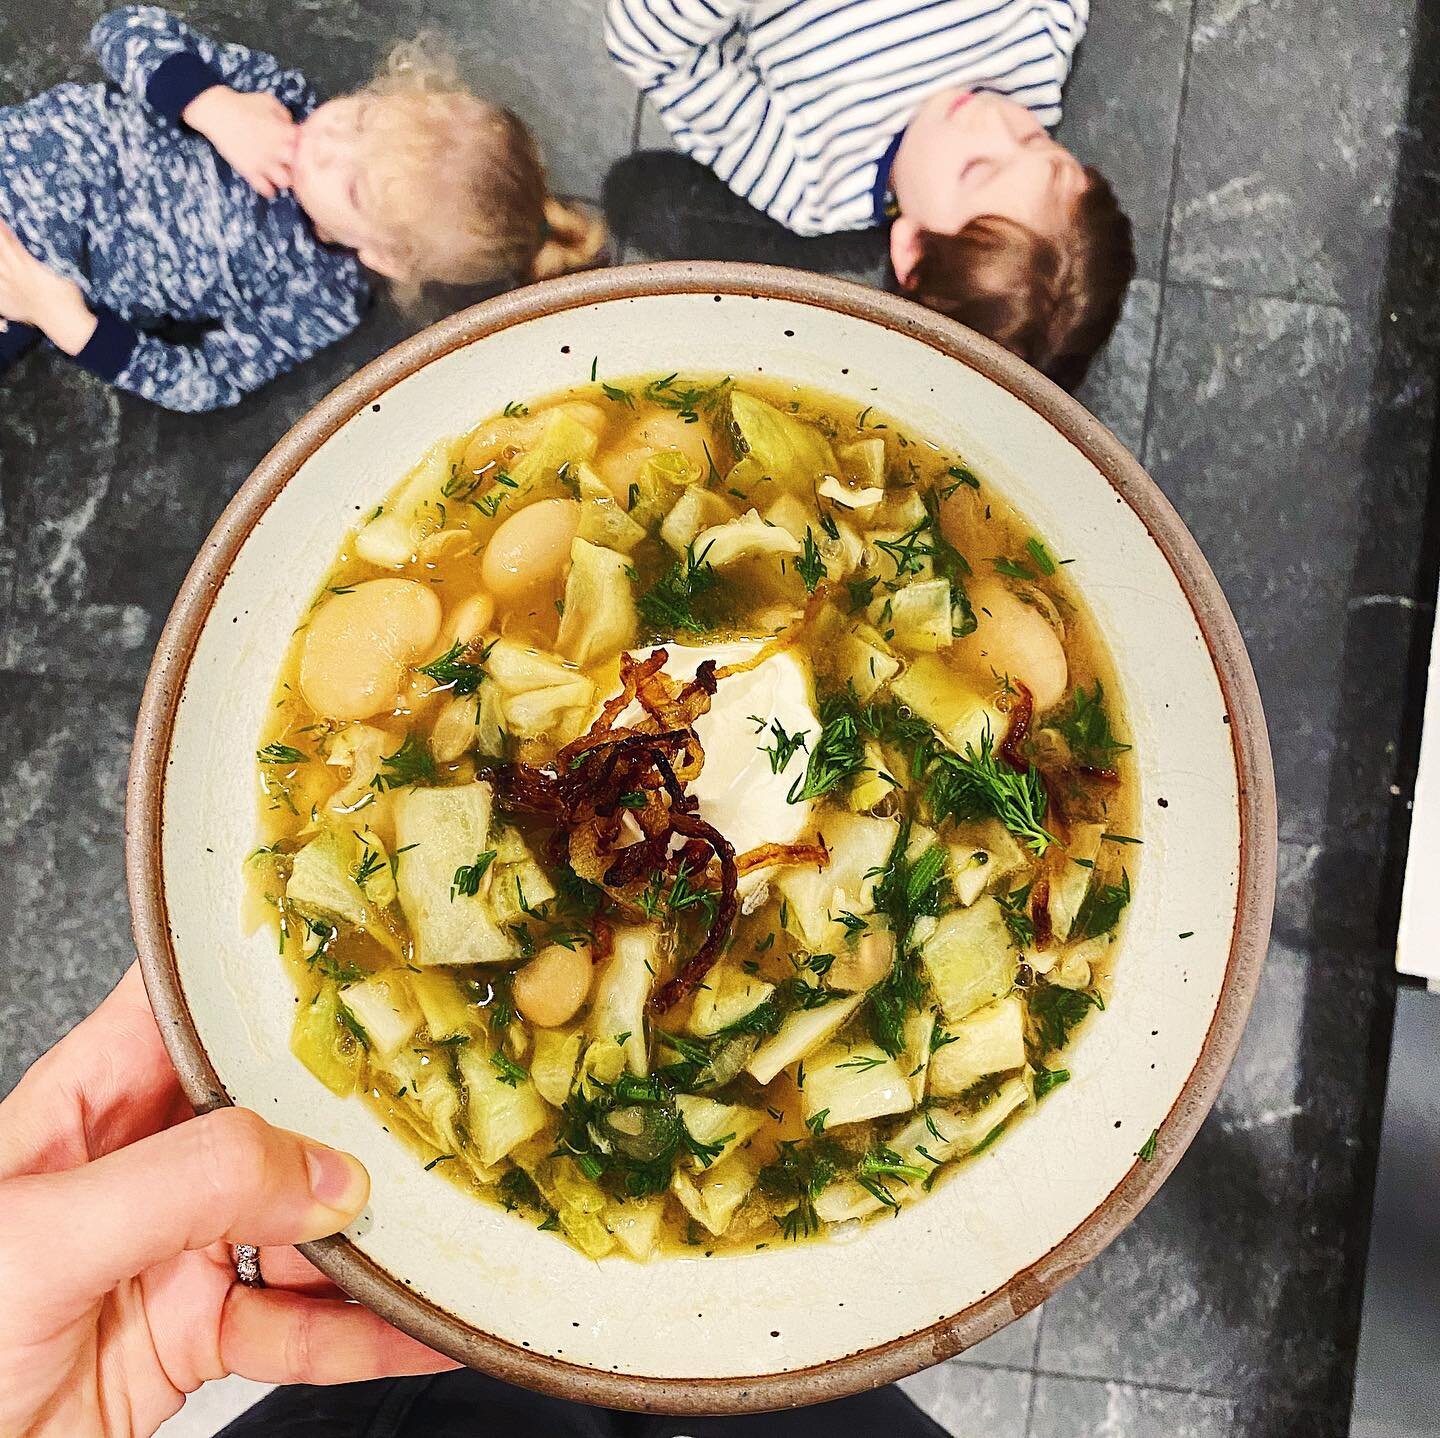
969, 153
330, 180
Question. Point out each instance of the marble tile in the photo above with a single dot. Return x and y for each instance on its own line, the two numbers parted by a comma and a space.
64, 920
972, 1402
665, 207
111, 519
1085, 1408
1298, 460
1010, 1347
1122, 108
1117, 388
1288, 145
1242, 1277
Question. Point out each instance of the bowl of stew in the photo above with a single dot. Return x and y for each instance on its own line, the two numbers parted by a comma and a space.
738, 800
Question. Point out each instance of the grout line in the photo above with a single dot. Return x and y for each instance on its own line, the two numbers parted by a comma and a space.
1166, 234
1034, 1373
1219, 287
1179, 1389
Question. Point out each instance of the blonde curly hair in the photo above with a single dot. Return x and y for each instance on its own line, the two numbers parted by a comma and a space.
461, 193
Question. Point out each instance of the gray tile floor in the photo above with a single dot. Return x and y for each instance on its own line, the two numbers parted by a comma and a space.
1275, 371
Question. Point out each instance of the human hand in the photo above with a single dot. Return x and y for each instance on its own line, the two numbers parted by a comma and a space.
118, 1209
31, 293
254, 133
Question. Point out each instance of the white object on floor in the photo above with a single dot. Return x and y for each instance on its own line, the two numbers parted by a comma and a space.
210, 1408
1417, 949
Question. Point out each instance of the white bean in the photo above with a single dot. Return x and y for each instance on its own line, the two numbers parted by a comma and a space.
1013, 638
470, 619
358, 646
530, 549
551, 987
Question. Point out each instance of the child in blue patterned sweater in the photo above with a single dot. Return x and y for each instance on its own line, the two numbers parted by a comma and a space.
213, 188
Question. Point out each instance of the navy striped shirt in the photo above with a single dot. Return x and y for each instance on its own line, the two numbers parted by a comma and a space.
797, 104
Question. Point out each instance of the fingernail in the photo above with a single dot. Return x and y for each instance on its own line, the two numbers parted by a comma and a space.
336, 1179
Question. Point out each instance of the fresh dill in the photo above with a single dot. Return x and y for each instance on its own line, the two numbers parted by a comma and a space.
455, 671
684, 599
1101, 908
278, 753
785, 747
411, 763
1086, 728
467, 876
810, 566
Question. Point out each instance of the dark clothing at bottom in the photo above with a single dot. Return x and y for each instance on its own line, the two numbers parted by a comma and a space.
16, 341
465, 1404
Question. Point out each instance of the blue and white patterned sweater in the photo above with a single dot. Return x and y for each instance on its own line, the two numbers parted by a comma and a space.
109, 188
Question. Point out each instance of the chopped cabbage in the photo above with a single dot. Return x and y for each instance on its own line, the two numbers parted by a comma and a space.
599, 619
439, 831
800, 1035
852, 1084
392, 535
916, 618
748, 537
695, 510
552, 1066
943, 698
712, 1196
785, 449
330, 1050
728, 995
859, 848
989, 1041
728, 1124
442, 1004
635, 1222
325, 884
1069, 886
621, 993
500, 1114
386, 1009
967, 957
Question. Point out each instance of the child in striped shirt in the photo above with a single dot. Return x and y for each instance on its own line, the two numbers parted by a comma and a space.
209, 186
838, 114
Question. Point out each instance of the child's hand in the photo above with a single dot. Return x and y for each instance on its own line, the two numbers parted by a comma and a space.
31, 293
254, 134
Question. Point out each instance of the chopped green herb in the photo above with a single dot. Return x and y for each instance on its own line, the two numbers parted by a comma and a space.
1147, 1149
1040, 555
1101, 908
515, 409
467, 876
461, 675
1048, 1079
1012, 568
411, 763
278, 753
816, 1122
1055, 1011
507, 1070
810, 566
785, 747
1015, 907
684, 599
1086, 728
618, 395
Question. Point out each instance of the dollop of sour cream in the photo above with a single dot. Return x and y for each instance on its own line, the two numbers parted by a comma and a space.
738, 789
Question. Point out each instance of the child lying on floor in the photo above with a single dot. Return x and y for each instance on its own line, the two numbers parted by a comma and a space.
835, 114
211, 188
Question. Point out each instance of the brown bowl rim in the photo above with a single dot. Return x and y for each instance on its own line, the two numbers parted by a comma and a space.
898, 1357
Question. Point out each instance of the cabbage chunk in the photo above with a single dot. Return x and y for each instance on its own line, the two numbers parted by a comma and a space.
785, 449
599, 619
967, 957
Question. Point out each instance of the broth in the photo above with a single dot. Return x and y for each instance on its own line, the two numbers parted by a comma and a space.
543, 933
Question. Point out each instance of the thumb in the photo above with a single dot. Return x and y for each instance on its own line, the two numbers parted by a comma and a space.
227, 1175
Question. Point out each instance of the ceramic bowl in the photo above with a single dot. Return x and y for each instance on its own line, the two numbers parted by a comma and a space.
787, 1325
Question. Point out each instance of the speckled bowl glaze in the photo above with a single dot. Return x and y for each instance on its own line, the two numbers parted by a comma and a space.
788, 1325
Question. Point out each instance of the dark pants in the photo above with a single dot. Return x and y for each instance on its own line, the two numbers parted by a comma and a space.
15, 342
471, 1405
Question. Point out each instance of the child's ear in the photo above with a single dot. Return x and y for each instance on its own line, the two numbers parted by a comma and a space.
906, 248
383, 260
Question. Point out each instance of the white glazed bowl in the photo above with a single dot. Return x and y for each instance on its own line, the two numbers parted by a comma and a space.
787, 1325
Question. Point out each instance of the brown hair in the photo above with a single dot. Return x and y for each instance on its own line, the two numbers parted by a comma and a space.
460, 187
1052, 301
